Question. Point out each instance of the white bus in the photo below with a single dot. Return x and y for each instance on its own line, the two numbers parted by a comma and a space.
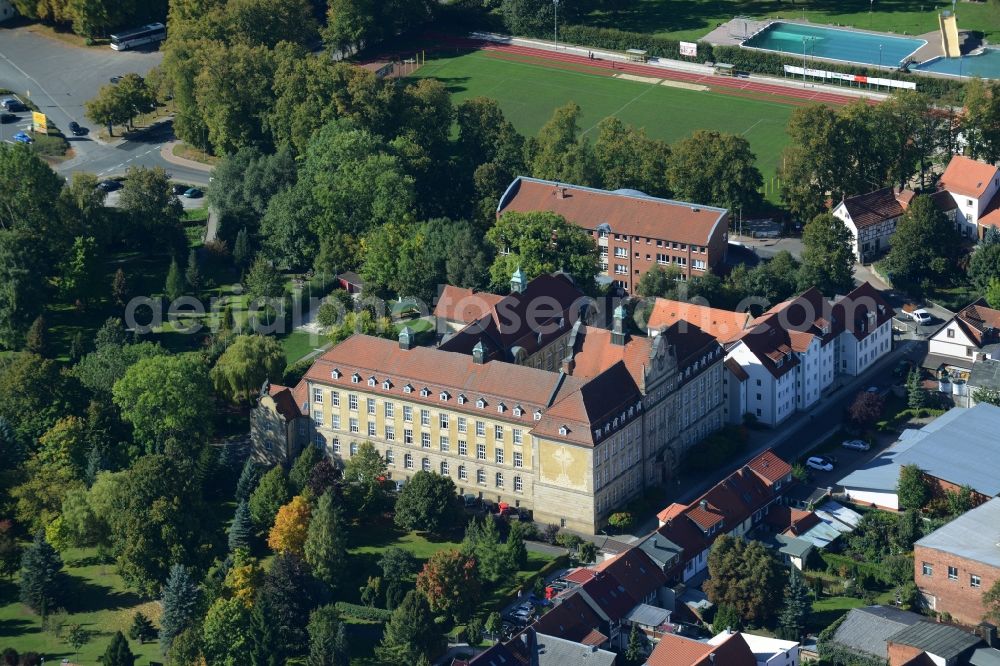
154, 32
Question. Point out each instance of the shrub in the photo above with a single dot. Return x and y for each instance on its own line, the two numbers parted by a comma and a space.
363, 612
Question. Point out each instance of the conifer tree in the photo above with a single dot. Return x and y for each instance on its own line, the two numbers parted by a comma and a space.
37, 339
792, 618
118, 652
241, 531
174, 287
192, 275
326, 542
410, 633
142, 628
633, 653
41, 576
241, 249
248, 480
120, 289
180, 604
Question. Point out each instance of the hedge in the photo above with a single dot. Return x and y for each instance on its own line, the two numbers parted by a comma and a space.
509, 596
359, 612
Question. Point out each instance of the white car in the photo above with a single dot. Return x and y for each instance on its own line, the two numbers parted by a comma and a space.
815, 462
921, 316
856, 444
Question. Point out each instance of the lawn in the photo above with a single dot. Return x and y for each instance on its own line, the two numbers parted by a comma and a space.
299, 343
693, 19
528, 91
97, 600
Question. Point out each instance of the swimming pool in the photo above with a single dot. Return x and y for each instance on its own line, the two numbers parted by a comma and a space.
985, 65
835, 43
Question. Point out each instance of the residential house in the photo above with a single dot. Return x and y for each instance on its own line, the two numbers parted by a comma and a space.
871, 218
975, 188
723, 325
767, 651
734, 506
538, 649
456, 308
970, 438
965, 338
634, 232
864, 632
574, 619
956, 563
674, 650
932, 643
866, 319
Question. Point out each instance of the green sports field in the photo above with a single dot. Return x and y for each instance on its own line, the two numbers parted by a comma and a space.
529, 91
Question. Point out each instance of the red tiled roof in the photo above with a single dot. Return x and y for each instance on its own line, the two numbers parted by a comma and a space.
635, 572
673, 650
623, 212
790, 521
990, 217
464, 305
980, 322
580, 576
610, 596
723, 325
671, 511
286, 402
967, 177
770, 467
572, 619
595, 353
594, 639
875, 207
734, 367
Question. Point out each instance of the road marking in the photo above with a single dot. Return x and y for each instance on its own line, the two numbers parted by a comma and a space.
40, 87
747, 130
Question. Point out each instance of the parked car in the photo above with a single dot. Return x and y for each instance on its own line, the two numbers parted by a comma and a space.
193, 193
7, 118
872, 389
819, 463
12, 105
179, 188
920, 315
75, 129
22, 137
116, 79
109, 185
856, 444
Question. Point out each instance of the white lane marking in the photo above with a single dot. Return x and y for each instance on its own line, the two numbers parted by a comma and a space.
35, 81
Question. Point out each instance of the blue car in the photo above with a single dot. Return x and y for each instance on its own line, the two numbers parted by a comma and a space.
22, 137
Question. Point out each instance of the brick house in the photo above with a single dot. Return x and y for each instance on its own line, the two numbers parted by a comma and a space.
956, 564
633, 231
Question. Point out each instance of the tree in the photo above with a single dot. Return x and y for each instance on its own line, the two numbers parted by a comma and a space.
659, 282
119, 103
289, 595
174, 287
41, 576
560, 154
180, 605
621, 520
291, 524
83, 272
365, 472
323, 477
241, 249
541, 243
397, 566
992, 294
226, 633
981, 121
192, 275
991, 601
515, 552
984, 264
270, 495
22, 263
866, 408
727, 617
263, 280
587, 552
246, 364
154, 210
924, 247
494, 625
912, 488
633, 653
10, 551
142, 628
715, 169
298, 476
325, 547
917, 397
744, 576
166, 398
327, 639
37, 339
241, 530
427, 502
410, 632
792, 618
627, 158
827, 259
249, 477
482, 542
986, 395
960, 501
816, 161
118, 652
527, 17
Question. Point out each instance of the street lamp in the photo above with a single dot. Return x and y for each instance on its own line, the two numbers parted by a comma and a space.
555, 22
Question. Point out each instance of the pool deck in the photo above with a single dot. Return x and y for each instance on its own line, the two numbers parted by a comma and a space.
723, 36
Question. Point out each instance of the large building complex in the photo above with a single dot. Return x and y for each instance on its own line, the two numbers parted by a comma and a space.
634, 232
571, 443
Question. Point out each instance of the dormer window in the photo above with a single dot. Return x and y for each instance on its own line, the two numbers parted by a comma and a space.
501, 408
461, 399
631, 410
780, 362
355, 378
372, 381
335, 373
607, 428
563, 430
825, 329
518, 411
480, 403
444, 395
424, 392
387, 385
597, 435
615, 424
538, 415
407, 389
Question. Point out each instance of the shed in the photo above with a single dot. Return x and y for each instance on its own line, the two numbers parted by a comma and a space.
351, 281
635, 55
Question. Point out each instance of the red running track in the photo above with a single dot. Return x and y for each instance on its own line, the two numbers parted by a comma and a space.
662, 73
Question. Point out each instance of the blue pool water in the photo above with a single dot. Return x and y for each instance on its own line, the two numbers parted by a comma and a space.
835, 43
986, 65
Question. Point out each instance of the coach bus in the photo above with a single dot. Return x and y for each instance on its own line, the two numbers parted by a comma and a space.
154, 32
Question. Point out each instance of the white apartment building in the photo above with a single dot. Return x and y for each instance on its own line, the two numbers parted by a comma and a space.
975, 188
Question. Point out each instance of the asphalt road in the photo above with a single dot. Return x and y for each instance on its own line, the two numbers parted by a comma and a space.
59, 78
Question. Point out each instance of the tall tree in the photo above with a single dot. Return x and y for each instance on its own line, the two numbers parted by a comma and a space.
981, 122
815, 163
659, 282
326, 542
827, 260
327, 639
291, 525
397, 567
427, 502
365, 473
226, 633
792, 618
263, 280
924, 248
174, 286
560, 153
410, 633
450, 582
917, 396
541, 242
715, 169
82, 274
627, 158
248, 480
991, 601
912, 488
241, 530
180, 604
22, 271
482, 542
42, 586
744, 576
154, 210
270, 495
245, 365
118, 652
289, 594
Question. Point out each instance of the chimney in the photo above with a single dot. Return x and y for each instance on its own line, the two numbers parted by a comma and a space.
988, 632
479, 353
703, 504
406, 338
618, 326
560, 192
568, 365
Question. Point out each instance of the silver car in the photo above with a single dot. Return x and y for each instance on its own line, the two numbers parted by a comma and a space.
856, 444
820, 463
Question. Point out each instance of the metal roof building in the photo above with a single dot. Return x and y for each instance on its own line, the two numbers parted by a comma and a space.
973, 535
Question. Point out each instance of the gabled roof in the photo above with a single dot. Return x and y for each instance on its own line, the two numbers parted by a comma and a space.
635, 572
866, 631
694, 348
770, 467
738, 372
967, 177
286, 401
852, 311
624, 212
609, 595
538, 649
980, 322
990, 215
878, 206
464, 305
723, 325
940, 640
572, 618
594, 352
674, 650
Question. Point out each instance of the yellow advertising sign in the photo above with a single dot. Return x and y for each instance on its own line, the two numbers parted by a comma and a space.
39, 123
